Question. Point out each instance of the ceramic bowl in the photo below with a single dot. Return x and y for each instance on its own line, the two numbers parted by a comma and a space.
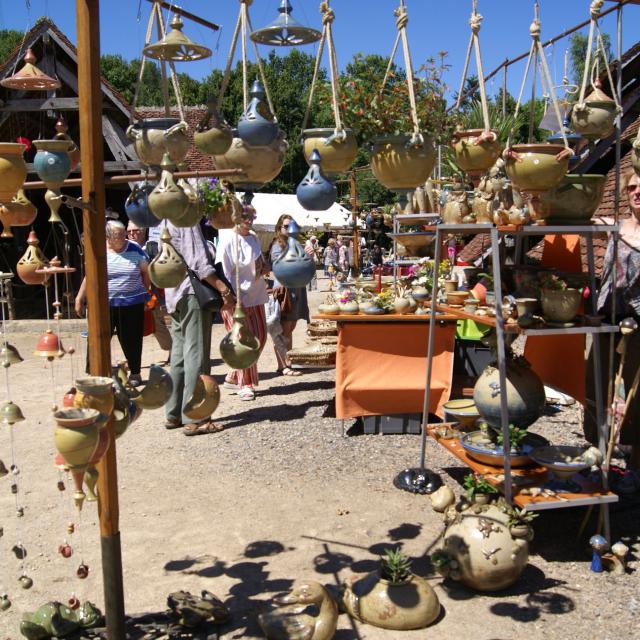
76, 417
561, 460
463, 411
479, 448
457, 297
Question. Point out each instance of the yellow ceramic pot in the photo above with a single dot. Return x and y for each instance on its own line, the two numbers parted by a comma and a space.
95, 392
535, 167
337, 156
13, 170
398, 165
154, 137
470, 156
574, 200
76, 435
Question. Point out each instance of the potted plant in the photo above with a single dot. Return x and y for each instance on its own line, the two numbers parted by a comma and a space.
516, 436
219, 202
519, 522
392, 598
478, 489
560, 302
347, 302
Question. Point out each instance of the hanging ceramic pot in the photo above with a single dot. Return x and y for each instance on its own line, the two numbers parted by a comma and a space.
258, 164
534, 168
474, 152
49, 346
52, 161
154, 137
20, 212
574, 200
76, 435
595, 117
32, 260
167, 269
204, 401
294, 268
525, 394
157, 390
337, 152
213, 136
257, 126
54, 201
95, 392
240, 349
315, 192
397, 164
195, 206
168, 200
13, 170
137, 206
223, 217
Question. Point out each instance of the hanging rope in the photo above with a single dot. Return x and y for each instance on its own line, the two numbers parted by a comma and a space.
232, 51
328, 16
261, 71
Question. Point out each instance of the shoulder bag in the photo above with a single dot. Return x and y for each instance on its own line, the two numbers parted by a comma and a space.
209, 298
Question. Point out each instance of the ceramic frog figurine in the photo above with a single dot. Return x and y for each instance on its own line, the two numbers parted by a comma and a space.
55, 619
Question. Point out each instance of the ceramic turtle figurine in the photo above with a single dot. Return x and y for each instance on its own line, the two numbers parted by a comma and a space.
193, 611
55, 619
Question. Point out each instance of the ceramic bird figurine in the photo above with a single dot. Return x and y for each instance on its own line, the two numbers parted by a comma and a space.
307, 612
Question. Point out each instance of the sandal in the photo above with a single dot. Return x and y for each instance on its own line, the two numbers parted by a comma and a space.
246, 393
173, 423
202, 428
288, 371
228, 384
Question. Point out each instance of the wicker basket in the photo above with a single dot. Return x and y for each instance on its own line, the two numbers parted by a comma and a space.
315, 355
318, 340
322, 328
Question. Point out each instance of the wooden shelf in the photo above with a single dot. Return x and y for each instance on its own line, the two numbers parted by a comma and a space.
533, 476
387, 317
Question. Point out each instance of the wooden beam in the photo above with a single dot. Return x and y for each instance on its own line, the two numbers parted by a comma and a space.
110, 166
121, 147
185, 14
41, 104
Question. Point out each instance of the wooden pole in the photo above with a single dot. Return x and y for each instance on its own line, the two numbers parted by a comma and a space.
354, 214
99, 340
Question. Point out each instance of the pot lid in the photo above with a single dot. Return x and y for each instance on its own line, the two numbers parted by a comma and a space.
175, 46
30, 78
285, 31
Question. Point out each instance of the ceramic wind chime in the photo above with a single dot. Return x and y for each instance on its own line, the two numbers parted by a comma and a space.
294, 268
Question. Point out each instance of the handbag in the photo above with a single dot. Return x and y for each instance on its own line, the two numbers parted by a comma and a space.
282, 295
209, 298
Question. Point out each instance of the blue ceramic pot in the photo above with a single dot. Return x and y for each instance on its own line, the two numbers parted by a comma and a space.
294, 268
137, 207
257, 126
315, 192
52, 161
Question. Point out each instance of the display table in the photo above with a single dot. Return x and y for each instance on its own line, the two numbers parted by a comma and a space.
381, 364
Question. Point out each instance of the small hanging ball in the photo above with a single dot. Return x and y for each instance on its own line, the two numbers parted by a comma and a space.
14, 488
19, 512
83, 571
6, 364
61, 486
73, 603
14, 470
65, 550
25, 581
19, 551
71, 350
5, 603
71, 528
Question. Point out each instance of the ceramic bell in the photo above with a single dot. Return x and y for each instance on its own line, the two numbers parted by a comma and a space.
10, 413
167, 269
213, 135
49, 346
32, 260
157, 390
240, 349
315, 192
168, 200
137, 206
30, 78
205, 399
294, 267
9, 355
257, 126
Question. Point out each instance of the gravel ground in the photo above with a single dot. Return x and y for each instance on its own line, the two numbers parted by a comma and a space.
281, 494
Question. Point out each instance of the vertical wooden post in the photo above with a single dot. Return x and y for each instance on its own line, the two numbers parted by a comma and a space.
93, 192
354, 213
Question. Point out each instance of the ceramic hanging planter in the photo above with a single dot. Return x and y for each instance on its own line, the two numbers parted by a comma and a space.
95, 392
32, 261
213, 136
574, 200
157, 391
533, 168
473, 153
240, 349
167, 269
20, 212
168, 200
337, 152
76, 436
13, 170
257, 126
398, 164
52, 161
195, 206
223, 217
137, 206
294, 268
595, 117
154, 137
315, 192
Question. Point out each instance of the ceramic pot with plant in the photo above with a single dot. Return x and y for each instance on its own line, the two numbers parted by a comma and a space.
475, 150
393, 598
329, 306
347, 302
398, 163
560, 302
478, 489
520, 523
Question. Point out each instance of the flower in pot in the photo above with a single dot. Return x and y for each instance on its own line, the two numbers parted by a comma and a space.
478, 489
219, 202
560, 302
347, 302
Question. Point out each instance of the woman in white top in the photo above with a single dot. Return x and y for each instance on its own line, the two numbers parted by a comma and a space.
253, 294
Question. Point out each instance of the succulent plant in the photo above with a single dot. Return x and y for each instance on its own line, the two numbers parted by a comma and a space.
395, 565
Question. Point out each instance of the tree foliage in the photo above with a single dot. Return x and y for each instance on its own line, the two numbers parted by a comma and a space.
578, 54
9, 40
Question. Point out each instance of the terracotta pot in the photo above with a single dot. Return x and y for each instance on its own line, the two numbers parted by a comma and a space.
95, 392
401, 606
525, 394
222, 217
52, 162
167, 269
337, 155
398, 165
168, 199
574, 200
259, 164
20, 212
154, 137
76, 436
32, 260
13, 170
240, 349
213, 136
560, 306
536, 168
474, 157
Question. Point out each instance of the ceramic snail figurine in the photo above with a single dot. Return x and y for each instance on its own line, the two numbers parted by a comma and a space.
56, 620
213, 135
168, 199
257, 126
307, 611
294, 267
167, 269
316, 192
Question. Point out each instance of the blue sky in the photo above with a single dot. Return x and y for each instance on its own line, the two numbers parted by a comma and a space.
360, 26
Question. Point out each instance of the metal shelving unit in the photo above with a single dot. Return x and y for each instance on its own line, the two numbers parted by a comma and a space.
409, 219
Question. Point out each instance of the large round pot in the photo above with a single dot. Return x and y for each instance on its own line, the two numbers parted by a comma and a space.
294, 268
154, 137
574, 200
137, 207
399, 165
536, 167
411, 604
52, 162
337, 155
13, 170
595, 117
479, 550
560, 306
76, 435
470, 156
525, 394
259, 164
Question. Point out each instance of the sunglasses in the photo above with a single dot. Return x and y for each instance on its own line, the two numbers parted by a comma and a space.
633, 187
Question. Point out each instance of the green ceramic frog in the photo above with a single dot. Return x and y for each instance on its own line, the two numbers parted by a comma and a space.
55, 619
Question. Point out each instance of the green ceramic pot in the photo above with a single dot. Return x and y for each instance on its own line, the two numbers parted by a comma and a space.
536, 169
240, 349
560, 306
398, 165
574, 200
596, 120
337, 156
474, 157
76, 435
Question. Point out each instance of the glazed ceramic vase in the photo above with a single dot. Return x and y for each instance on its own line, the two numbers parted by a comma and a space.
52, 161
536, 167
137, 207
337, 153
595, 117
315, 192
213, 136
157, 390
32, 261
154, 137
479, 550
574, 200
294, 268
525, 394
167, 269
472, 156
240, 349
94, 392
168, 200
397, 164
257, 126
560, 306
13, 170
400, 606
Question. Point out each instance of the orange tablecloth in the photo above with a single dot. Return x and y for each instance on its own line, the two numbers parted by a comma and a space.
381, 368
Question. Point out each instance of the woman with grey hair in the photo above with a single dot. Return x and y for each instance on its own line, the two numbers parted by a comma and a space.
128, 284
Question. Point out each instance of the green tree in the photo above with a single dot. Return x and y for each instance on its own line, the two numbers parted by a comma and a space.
9, 40
578, 53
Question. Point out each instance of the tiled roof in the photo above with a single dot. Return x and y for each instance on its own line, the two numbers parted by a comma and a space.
196, 161
475, 248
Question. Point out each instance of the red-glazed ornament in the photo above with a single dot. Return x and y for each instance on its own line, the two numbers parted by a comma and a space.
83, 571
65, 550
73, 603
70, 396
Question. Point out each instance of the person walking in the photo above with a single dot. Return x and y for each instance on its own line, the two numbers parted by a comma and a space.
312, 249
330, 261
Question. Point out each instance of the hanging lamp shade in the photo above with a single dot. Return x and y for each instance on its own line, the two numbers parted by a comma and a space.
285, 31
176, 47
30, 78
